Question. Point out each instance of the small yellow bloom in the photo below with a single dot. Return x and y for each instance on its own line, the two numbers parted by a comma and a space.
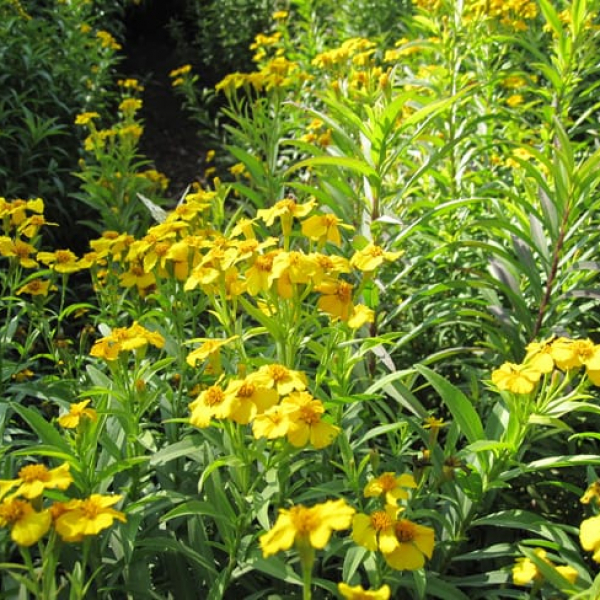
572, 354
592, 493
272, 424
86, 117
209, 347
212, 402
77, 412
358, 593
306, 526
589, 536
27, 526
306, 424
336, 299
324, 228
371, 257
391, 487
37, 287
249, 399
519, 379
361, 315
526, 570
34, 479
281, 378
81, 518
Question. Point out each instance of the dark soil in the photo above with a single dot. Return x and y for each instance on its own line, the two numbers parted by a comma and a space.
170, 138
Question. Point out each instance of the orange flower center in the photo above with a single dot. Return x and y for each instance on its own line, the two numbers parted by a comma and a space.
90, 508
405, 531
22, 250
309, 415
32, 473
278, 373
34, 285
303, 519
63, 256
264, 263
387, 482
13, 511
246, 390
375, 251
214, 395
161, 248
344, 292
329, 220
380, 520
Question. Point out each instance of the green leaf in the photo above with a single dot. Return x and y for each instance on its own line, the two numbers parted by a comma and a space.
459, 405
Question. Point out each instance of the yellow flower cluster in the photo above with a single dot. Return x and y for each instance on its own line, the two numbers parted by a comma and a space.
542, 358
510, 13
526, 571
405, 545
274, 399
23, 512
125, 339
186, 249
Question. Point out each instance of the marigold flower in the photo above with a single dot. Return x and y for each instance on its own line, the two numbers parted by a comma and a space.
212, 402
592, 493
62, 261
526, 571
209, 348
285, 210
336, 299
27, 526
307, 526
34, 479
249, 399
306, 424
273, 423
18, 249
539, 356
324, 228
371, 257
405, 545
358, 593
390, 486
281, 378
81, 518
361, 315
589, 536
519, 379
572, 354
37, 287
77, 412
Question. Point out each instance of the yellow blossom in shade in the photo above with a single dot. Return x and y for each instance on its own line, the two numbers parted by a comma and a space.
281, 378
410, 546
34, 479
306, 526
285, 210
571, 354
371, 257
306, 424
368, 530
324, 228
526, 570
212, 402
61, 261
249, 399
519, 379
589, 536
37, 287
273, 423
358, 593
86, 117
27, 526
90, 516
390, 486
18, 249
336, 299
591, 493
208, 348
77, 412
361, 315
539, 355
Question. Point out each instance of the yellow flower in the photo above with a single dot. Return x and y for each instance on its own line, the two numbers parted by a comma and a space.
572, 354
358, 593
539, 355
281, 378
249, 399
86, 117
526, 571
80, 518
306, 425
34, 479
589, 536
18, 249
212, 402
210, 347
124, 339
390, 486
27, 526
285, 210
306, 526
361, 315
77, 412
273, 423
36, 287
519, 379
404, 544
62, 261
336, 299
592, 493
371, 257
324, 228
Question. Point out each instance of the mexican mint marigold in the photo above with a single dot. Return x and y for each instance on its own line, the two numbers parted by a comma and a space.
27, 526
34, 479
306, 526
358, 593
519, 379
77, 519
77, 412
589, 536
390, 487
